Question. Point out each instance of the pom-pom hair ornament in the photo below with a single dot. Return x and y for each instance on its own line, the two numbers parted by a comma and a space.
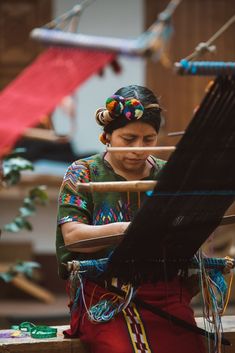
115, 105
118, 106
133, 109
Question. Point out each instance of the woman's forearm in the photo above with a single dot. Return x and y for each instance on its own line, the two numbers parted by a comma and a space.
74, 231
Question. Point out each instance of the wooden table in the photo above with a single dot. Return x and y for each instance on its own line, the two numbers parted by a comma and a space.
61, 345
229, 331
50, 345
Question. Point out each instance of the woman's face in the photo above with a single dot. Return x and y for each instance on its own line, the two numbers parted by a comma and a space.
137, 134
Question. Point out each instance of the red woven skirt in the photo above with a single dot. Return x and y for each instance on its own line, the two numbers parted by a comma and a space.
137, 329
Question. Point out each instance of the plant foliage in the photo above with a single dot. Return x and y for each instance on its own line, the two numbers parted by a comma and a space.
12, 166
24, 267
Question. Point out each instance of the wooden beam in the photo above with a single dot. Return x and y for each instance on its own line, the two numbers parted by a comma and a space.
119, 186
27, 286
141, 149
38, 292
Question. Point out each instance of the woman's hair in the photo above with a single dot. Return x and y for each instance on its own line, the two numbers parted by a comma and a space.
129, 104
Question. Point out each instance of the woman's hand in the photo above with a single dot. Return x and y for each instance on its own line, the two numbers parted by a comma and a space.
229, 265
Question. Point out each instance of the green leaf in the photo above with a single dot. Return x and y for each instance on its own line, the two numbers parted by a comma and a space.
12, 177
28, 202
16, 152
12, 168
16, 163
12, 227
26, 267
26, 211
6, 276
28, 225
39, 194
18, 224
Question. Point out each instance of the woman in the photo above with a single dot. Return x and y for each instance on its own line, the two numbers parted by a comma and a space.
132, 118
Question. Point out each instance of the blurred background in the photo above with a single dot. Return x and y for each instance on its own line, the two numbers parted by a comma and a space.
193, 22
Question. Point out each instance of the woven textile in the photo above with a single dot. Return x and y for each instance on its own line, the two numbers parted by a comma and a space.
41, 86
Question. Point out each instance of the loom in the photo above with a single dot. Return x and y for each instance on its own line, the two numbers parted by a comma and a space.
194, 190
96, 268
204, 68
149, 43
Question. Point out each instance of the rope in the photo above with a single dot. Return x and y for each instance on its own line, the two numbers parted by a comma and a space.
228, 293
168, 12
205, 47
75, 11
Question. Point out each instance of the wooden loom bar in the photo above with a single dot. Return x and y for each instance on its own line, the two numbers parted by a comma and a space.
228, 220
141, 149
121, 186
177, 133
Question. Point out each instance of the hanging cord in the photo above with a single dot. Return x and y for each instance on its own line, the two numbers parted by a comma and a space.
130, 296
61, 21
215, 295
228, 293
207, 326
207, 46
109, 304
105, 309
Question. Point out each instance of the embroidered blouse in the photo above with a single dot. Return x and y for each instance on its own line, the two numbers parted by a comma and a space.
94, 208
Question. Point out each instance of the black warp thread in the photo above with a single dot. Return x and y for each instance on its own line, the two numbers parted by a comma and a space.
194, 190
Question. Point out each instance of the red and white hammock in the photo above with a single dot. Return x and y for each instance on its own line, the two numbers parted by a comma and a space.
55, 73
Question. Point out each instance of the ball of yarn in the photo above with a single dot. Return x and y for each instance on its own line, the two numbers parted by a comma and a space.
102, 138
115, 105
133, 109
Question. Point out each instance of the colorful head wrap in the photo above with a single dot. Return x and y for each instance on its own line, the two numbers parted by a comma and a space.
117, 106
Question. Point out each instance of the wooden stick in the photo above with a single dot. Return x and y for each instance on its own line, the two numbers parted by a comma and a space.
117, 238
228, 220
177, 133
141, 149
44, 135
33, 289
23, 283
121, 186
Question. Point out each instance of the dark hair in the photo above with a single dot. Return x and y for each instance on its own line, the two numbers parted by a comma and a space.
151, 116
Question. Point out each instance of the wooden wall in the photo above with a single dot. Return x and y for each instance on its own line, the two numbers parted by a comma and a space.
194, 21
17, 19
